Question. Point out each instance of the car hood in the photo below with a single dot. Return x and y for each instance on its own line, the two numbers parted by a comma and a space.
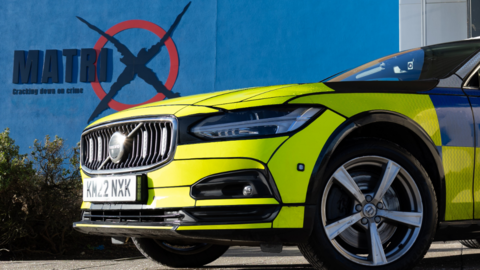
216, 101
216, 98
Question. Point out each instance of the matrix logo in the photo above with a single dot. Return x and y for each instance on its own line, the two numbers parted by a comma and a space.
26, 70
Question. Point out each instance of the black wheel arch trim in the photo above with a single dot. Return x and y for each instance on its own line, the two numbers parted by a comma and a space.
361, 120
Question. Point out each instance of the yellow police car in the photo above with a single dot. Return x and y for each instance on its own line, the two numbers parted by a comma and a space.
362, 170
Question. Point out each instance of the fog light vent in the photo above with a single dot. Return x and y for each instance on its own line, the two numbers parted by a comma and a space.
232, 185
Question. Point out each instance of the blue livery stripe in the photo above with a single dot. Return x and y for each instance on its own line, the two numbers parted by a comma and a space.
455, 120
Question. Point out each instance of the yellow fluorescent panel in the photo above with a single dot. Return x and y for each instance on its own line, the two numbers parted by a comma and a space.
226, 227
86, 205
418, 107
255, 103
190, 110
295, 90
237, 96
304, 147
125, 226
170, 197
458, 166
222, 202
260, 149
290, 217
140, 113
476, 187
83, 175
187, 172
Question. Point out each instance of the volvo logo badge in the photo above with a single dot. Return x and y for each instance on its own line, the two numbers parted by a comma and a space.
369, 210
116, 146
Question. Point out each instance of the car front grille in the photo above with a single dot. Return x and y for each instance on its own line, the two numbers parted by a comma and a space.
162, 216
150, 142
201, 215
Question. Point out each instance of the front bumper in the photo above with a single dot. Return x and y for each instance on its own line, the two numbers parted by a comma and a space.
191, 229
170, 190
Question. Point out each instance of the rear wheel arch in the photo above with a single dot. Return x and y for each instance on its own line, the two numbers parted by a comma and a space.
387, 126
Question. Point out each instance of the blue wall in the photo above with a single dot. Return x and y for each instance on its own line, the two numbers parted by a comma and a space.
221, 45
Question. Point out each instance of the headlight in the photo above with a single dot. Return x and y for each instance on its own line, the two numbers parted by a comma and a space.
254, 122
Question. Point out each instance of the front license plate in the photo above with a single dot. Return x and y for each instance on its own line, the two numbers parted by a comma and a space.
110, 189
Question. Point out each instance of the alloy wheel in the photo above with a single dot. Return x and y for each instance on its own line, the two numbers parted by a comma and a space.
371, 210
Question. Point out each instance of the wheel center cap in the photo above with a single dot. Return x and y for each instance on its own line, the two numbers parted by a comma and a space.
369, 210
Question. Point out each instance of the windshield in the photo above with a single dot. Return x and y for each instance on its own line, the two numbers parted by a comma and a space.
431, 62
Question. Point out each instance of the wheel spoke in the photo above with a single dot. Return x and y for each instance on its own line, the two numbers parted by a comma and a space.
336, 228
389, 175
409, 218
376, 249
344, 178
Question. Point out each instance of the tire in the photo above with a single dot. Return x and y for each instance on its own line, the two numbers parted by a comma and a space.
471, 243
344, 229
179, 256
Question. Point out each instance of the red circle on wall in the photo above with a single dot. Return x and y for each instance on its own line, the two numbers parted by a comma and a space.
172, 52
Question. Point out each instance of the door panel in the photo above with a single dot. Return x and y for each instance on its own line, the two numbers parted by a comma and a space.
474, 96
458, 150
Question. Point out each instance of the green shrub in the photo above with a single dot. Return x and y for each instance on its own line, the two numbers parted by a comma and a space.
40, 195
16, 181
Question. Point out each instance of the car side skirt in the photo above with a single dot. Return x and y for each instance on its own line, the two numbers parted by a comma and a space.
458, 230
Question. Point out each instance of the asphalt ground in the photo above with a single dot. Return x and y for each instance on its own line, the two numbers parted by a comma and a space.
449, 255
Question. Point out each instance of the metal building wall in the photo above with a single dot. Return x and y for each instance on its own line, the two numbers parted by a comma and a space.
425, 22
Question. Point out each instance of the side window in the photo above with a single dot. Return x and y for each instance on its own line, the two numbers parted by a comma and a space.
474, 81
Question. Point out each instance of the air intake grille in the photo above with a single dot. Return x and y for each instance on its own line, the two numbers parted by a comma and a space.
149, 142
133, 216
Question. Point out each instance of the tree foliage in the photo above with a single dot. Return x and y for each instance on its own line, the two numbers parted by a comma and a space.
40, 195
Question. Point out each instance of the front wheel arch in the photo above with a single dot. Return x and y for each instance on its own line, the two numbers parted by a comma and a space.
320, 252
367, 124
